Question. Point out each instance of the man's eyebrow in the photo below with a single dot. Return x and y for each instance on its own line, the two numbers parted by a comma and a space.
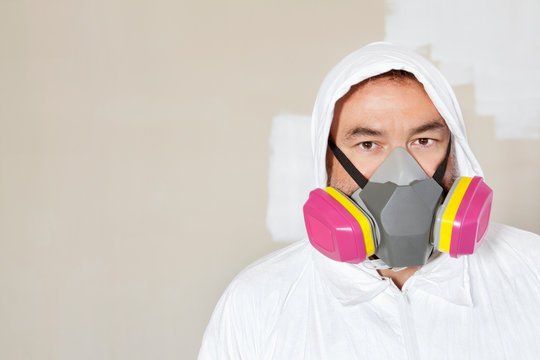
362, 131
432, 125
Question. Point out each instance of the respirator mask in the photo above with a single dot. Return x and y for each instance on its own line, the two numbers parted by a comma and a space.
400, 215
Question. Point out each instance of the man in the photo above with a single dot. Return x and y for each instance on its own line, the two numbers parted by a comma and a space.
378, 104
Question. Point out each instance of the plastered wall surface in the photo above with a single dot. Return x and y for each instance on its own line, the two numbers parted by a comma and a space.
134, 154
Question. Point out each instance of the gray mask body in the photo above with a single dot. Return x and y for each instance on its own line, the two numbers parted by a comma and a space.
402, 201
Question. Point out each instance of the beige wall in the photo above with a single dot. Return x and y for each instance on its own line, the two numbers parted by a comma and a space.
134, 161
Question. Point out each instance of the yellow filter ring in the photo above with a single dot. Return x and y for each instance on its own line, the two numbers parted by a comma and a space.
359, 216
447, 221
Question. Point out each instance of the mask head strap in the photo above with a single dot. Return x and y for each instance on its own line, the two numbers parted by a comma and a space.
362, 181
348, 165
439, 173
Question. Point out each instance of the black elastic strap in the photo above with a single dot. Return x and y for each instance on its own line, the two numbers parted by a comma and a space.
347, 165
439, 173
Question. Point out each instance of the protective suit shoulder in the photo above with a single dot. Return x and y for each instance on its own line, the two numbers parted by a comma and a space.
522, 244
250, 306
506, 269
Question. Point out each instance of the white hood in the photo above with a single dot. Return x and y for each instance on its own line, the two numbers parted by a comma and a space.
375, 59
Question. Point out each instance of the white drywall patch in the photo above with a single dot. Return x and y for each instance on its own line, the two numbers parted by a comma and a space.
492, 44
291, 176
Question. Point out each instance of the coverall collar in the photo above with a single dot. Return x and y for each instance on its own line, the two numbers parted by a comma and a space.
443, 277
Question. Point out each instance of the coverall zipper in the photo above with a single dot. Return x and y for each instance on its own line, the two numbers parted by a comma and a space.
407, 324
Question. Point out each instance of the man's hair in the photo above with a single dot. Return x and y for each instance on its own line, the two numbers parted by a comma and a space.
400, 76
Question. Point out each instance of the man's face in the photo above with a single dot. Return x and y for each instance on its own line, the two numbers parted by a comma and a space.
380, 115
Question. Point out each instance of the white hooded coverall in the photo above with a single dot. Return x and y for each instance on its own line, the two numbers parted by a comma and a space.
298, 304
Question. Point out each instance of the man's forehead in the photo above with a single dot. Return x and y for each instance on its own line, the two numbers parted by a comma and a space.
375, 107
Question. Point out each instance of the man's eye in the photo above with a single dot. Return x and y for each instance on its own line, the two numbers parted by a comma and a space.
424, 141
366, 145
